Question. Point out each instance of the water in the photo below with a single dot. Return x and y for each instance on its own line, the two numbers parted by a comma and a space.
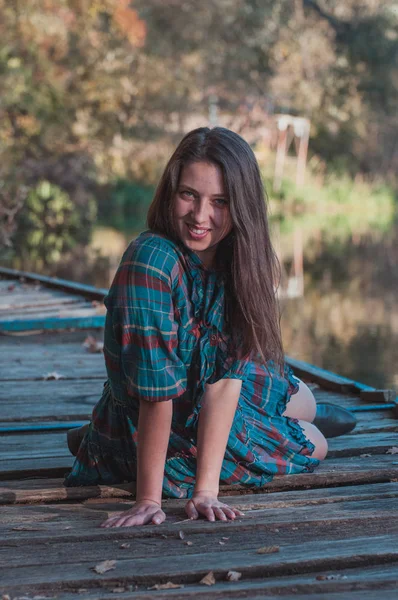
347, 320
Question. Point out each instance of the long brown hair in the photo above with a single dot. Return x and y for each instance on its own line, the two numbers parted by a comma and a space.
246, 254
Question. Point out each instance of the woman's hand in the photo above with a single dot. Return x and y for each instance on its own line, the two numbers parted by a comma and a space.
142, 513
208, 505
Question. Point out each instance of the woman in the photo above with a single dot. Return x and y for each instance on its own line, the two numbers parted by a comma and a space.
197, 389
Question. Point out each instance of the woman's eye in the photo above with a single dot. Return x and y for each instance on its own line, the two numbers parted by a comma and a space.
221, 202
187, 194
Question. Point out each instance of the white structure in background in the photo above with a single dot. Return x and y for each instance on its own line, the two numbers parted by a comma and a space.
291, 128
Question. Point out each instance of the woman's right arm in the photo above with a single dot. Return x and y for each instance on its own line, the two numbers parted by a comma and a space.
154, 426
143, 313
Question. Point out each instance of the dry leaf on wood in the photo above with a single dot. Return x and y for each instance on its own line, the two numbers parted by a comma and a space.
364, 455
393, 450
208, 579
104, 566
53, 375
166, 586
181, 535
124, 546
268, 550
221, 543
118, 590
225, 538
189, 543
93, 345
233, 575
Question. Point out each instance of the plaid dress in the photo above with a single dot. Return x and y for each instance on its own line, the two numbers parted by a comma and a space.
164, 340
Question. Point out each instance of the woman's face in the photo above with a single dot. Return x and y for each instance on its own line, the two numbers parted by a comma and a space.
201, 209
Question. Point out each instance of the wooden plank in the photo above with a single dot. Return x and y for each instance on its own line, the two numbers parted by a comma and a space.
50, 490
50, 310
344, 584
49, 400
245, 536
82, 322
289, 560
326, 379
88, 291
337, 472
375, 396
31, 446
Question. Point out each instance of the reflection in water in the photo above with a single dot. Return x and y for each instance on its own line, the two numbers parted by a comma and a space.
347, 321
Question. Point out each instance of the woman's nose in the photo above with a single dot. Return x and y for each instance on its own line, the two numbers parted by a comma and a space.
201, 210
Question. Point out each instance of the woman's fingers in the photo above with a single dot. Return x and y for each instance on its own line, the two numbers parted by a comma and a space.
191, 511
129, 519
221, 513
158, 517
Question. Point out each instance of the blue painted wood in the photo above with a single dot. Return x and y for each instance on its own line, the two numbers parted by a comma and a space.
92, 322
324, 376
43, 427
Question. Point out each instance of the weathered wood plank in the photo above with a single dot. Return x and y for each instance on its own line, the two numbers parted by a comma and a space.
43, 445
59, 284
332, 472
30, 491
69, 367
246, 537
40, 523
343, 584
49, 400
289, 560
326, 379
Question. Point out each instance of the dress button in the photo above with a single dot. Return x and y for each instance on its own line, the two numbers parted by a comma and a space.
213, 339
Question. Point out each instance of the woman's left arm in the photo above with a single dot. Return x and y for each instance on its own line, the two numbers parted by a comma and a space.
215, 420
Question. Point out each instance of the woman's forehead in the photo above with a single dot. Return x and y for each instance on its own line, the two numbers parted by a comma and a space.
203, 176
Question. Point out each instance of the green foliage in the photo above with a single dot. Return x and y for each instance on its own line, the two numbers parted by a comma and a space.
336, 209
125, 206
49, 226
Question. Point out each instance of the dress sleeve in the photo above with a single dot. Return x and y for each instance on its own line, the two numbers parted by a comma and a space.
146, 329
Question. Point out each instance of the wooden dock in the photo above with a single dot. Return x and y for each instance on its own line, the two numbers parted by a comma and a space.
332, 533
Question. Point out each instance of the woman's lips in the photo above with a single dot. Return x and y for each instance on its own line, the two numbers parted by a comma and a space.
197, 233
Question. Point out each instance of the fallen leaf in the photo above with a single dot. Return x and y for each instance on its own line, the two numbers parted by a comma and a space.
189, 543
10, 288
118, 590
166, 586
93, 345
233, 576
6, 596
53, 375
208, 579
393, 450
181, 535
225, 538
104, 566
69, 527
124, 546
295, 528
268, 550
364, 455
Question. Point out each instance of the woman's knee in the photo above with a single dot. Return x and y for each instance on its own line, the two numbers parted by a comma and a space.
302, 405
317, 438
